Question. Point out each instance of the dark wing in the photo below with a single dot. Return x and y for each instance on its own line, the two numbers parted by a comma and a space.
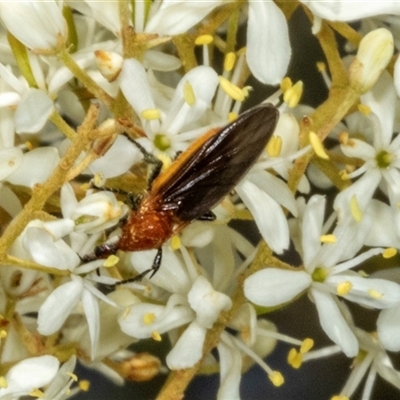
198, 180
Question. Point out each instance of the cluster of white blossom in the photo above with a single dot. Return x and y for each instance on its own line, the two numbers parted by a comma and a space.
76, 75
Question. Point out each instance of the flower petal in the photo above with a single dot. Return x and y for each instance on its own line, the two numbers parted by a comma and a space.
58, 306
268, 46
192, 338
333, 323
269, 217
271, 286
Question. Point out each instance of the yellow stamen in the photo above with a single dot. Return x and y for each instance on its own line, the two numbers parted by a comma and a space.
188, 94
73, 376
231, 90
375, 294
344, 176
3, 334
364, 109
274, 146
84, 385
111, 261
328, 239
126, 312
292, 95
343, 288
355, 209
149, 318
294, 359
150, 114
317, 145
156, 336
340, 397
29, 145
37, 393
203, 39
3, 382
175, 242
321, 66
286, 84
306, 346
389, 252
276, 378
232, 116
229, 61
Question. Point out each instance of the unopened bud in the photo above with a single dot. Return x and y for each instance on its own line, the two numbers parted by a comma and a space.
141, 367
109, 64
373, 55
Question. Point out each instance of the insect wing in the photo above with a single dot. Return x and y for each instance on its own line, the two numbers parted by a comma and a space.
214, 164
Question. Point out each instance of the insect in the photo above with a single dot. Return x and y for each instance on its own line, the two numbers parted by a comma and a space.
194, 183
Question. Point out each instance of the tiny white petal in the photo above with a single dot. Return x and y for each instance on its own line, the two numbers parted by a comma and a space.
207, 302
230, 370
92, 313
313, 220
334, 324
192, 338
347, 10
36, 167
119, 159
58, 306
388, 326
388, 292
268, 46
271, 286
28, 375
48, 251
165, 319
269, 217
33, 112
175, 17
10, 160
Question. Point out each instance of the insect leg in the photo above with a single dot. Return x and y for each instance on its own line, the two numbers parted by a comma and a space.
149, 158
153, 269
208, 216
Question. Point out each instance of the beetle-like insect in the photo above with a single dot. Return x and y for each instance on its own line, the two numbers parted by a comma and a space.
194, 183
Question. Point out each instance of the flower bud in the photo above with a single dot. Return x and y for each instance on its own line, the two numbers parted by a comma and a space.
109, 64
373, 55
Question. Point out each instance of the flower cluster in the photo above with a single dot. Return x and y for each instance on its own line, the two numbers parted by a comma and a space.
97, 102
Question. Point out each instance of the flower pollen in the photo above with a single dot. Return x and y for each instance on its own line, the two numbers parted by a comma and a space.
317, 146
73, 376
3, 382
276, 378
188, 94
295, 358
307, 345
37, 393
149, 318
203, 39
176, 242
231, 90
343, 288
331, 239
389, 252
229, 61
364, 109
274, 146
375, 294
84, 385
156, 336
293, 95
355, 209
150, 114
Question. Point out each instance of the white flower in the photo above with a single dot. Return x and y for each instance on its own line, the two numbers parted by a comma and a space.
162, 119
39, 25
28, 375
326, 276
381, 157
